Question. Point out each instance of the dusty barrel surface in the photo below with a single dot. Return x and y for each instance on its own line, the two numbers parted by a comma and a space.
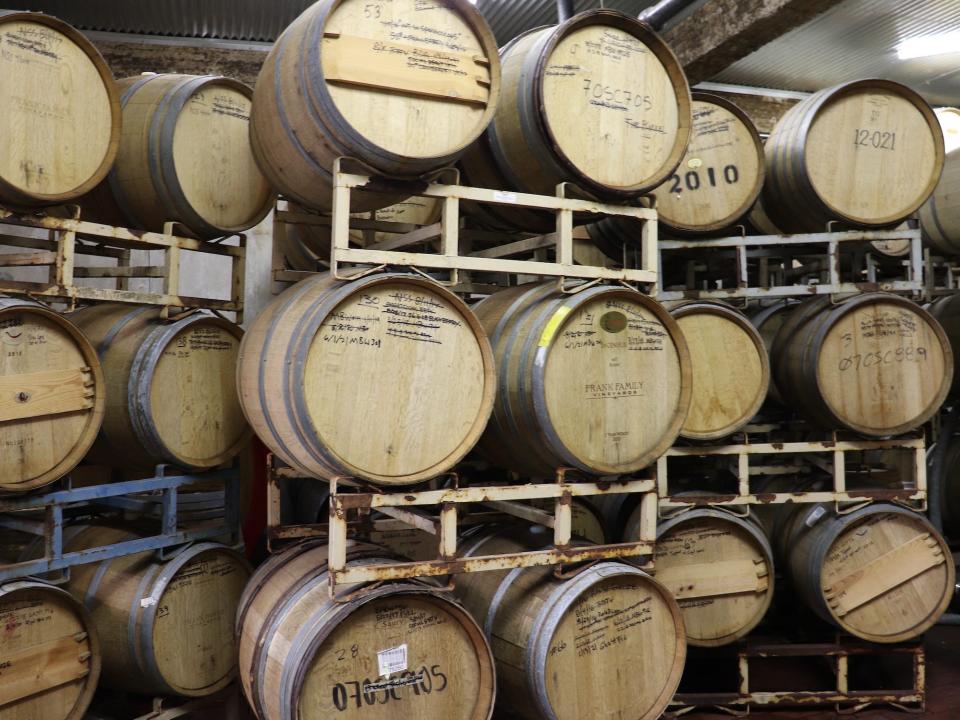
882, 573
876, 364
719, 566
184, 156
866, 153
172, 394
598, 100
50, 654
401, 86
730, 370
61, 112
400, 650
561, 646
940, 215
165, 627
52, 395
597, 380
388, 378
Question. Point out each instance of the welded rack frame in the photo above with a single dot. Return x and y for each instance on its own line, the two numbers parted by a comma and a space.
349, 497
131, 494
393, 252
743, 454
71, 238
826, 245
841, 697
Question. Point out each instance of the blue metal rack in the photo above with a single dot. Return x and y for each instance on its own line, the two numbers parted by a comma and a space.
157, 496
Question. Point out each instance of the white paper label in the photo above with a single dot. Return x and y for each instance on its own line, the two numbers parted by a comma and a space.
147, 602
392, 660
504, 195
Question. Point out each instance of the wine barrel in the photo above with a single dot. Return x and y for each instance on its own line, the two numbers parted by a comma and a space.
172, 394
949, 119
599, 101
49, 654
304, 245
61, 124
52, 395
562, 646
729, 367
940, 215
388, 378
719, 567
402, 90
184, 156
165, 627
768, 320
758, 219
876, 364
395, 650
946, 311
950, 487
881, 573
598, 380
866, 153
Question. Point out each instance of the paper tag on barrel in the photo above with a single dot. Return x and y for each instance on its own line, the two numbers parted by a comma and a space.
392, 660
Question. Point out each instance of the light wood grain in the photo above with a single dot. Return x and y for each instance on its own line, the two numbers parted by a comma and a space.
52, 395
949, 118
49, 654
60, 120
940, 215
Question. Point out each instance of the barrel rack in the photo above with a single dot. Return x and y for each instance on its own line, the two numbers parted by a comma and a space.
159, 495
351, 504
345, 261
771, 266
842, 656
941, 275
68, 239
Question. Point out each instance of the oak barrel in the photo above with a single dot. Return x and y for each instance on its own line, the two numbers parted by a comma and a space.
719, 567
607, 643
304, 245
61, 112
185, 157
940, 215
881, 573
388, 378
950, 487
876, 364
768, 320
172, 392
402, 86
49, 654
949, 118
946, 311
597, 380
165, 627
52, 395
396, 650
867, 153
729, 367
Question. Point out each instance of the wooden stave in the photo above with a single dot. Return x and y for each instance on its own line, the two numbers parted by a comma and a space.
131, 664
11, 589
748, 524
254, 642
338, 139
950, 488
135, 426
682, 230
803, 527
113, 203
795, 375
521, 314
949, 318
523, 679
15, 196
789, 198
319, 296
759, 320
98, 411
733, 315
939, 221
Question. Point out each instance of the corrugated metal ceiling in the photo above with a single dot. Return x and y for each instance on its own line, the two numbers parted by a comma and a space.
856, 39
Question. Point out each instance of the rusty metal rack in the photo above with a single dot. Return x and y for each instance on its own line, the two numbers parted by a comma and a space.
69, 239
941, 276
349, 503
345, 261
748, 460
140, 495
767, 266
843, 656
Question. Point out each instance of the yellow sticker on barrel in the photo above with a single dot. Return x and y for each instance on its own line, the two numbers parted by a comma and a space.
551, 329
